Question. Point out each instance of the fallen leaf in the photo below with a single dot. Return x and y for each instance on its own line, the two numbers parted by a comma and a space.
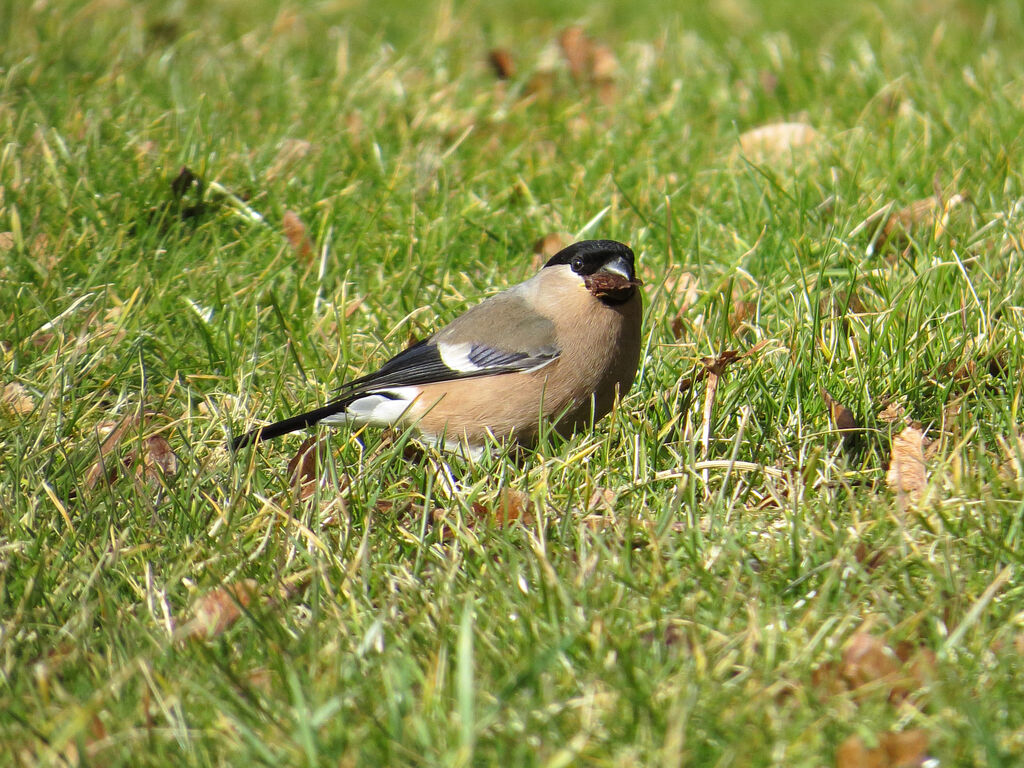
6, 241
741, 312
868, 558
185, 184
671, 636
841, 304
603, 498
576, 49
16, 399
186, 181
589, 61
827, 678
604, 69
216, 611
303, 467
502, 63
164, 31
353, 306
513, 505
893, 412
842, 417
999, 364
158, 460
958, 372
906, 472
260, 678
919, 668
548, 246
866, 660
779, 141
905, 749
106, 466
717, 365
896, 229
298, 239
852, 753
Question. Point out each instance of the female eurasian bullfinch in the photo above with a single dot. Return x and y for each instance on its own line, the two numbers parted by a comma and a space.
559, 346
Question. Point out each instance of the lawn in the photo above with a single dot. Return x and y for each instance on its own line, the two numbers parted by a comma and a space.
797, 542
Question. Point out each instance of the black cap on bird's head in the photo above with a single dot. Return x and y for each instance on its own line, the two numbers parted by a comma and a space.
606, 266
589, 256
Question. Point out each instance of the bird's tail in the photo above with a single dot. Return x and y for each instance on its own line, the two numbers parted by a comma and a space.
292, 424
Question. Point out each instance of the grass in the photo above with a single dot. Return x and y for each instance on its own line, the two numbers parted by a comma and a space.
657, 602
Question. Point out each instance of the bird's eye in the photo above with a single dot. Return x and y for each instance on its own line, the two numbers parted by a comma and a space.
576, 263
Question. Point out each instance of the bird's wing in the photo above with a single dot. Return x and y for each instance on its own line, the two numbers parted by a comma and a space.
501, 335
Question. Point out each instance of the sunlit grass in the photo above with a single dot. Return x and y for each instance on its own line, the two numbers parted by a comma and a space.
679, 581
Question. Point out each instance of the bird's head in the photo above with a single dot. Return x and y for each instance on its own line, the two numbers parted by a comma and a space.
606, 267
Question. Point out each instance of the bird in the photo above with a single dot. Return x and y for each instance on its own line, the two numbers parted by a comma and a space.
559, 347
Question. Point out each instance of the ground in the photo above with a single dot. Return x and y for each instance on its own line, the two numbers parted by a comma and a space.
798, 540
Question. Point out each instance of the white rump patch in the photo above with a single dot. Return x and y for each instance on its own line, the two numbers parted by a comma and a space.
376, 409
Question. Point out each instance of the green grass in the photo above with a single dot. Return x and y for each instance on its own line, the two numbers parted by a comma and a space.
682, 623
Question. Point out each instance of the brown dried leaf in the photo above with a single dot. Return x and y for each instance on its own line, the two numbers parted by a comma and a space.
919, 668
16, 399
853, 754
602, 498
513, 505
590, 62
576, 48
999, 364
842, 417
906, 472
826, 677
741, 312
502, 63
7, 241
867, 659
842, 303
549, 245
716, 365
779, 141
303, 467
899, 227
893, 412
353, 306
906, 748
604, 68
298, 239
106, 466
868, 558
956, 371
159, 462
216, 611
